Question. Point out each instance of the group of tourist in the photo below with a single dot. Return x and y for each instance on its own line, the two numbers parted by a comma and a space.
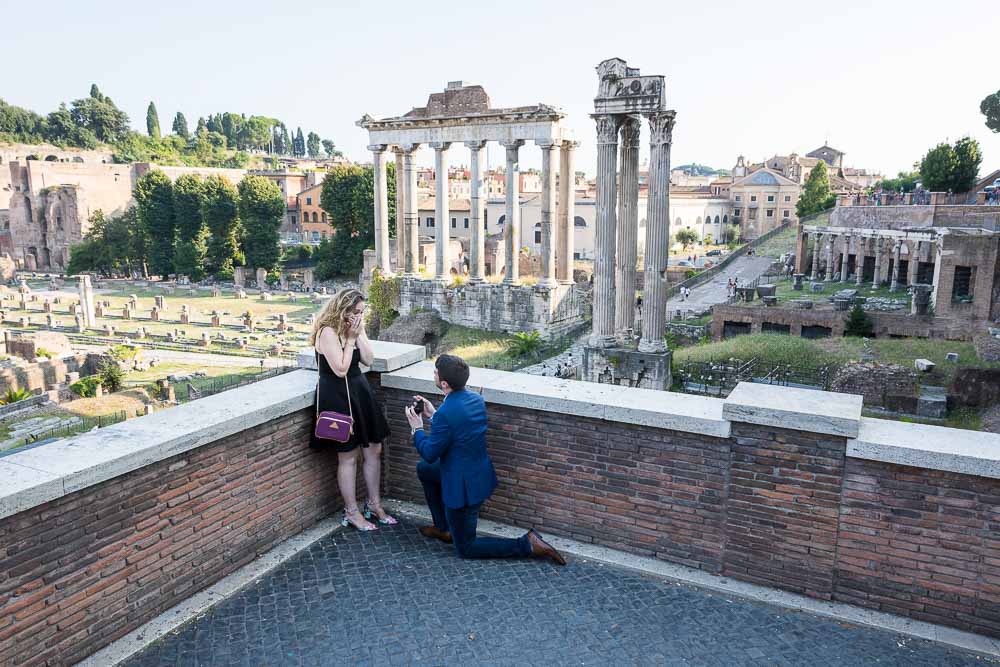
455, 469
732, 286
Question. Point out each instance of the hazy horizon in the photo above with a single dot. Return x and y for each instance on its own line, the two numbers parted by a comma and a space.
883, 84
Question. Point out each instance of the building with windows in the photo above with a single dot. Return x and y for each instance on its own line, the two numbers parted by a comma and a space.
762, 200
313, 222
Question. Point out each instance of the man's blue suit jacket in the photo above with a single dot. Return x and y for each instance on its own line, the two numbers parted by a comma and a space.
458, 439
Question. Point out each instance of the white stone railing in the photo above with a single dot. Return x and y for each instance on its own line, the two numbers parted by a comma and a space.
36, 475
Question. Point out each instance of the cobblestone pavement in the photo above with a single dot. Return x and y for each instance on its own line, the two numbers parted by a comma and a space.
395, 598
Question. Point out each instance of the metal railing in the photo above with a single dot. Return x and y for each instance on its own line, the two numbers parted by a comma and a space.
720, 376
196, 388
83, 425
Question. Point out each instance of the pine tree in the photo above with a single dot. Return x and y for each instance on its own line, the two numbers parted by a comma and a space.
816, 193
858, 323
286, 141
154, 199
313, 145
181, 126
152, 121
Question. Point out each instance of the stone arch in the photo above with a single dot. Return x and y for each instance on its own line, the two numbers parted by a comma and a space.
78, 159
577, 221
678, 222
697, 221
51, 158
725, 219
502, 219
716, 219
538, 233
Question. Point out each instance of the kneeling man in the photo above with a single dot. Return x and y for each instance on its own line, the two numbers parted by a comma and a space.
456, 471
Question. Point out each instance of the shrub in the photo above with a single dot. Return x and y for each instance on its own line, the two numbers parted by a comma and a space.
123, 352
858, 323
42, 352
112, 377
15, 395
522, 344
86, 387
383, 297
457, 281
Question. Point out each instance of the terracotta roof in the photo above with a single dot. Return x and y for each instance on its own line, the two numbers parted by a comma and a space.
429, 204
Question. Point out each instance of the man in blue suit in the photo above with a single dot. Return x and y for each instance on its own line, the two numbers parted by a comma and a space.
456, 472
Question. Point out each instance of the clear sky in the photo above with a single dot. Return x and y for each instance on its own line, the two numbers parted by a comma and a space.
882, 81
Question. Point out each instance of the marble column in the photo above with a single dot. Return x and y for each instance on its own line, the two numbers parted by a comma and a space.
381, 210
548, 249
815, 266
565, 236
859, 261
912, 262
512, 221
844, 256
878, 263
894, 283
604, 243
400, 210
442, 212
411, 219
627, 243
477, 242
832, 241
654, 293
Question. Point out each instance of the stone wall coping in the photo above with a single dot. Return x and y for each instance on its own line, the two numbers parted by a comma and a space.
808, 410
648, 407
38, 475
925, 446
388, 356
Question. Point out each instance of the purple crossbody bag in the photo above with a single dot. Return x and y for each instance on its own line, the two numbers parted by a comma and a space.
332, 425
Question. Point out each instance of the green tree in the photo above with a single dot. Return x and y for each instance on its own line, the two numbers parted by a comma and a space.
152, 121
686, 237
100, 116
347, 197
221, 215
286, 141
990, 107
948, 168
202, 128
299, 144
154, 197
330, 148
192, 233
905, 181
180, 127
816, 193
967, 170
109, 247
313, 145
262, 207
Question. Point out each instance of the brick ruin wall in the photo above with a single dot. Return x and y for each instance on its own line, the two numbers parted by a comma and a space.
776, 507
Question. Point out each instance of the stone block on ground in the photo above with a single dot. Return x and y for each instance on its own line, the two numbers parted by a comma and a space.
924, 365
933, 402
424, 328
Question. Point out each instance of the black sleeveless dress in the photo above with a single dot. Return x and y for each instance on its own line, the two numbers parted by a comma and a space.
370, 424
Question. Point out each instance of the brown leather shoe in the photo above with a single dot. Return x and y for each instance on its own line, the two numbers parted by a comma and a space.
542, 549
434, 533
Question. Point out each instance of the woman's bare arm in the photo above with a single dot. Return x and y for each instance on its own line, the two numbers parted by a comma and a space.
337, 354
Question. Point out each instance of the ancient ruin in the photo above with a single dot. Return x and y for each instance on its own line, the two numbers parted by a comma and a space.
624, 97
462, 114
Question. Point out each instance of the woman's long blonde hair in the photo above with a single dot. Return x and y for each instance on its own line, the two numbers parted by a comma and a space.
336, 314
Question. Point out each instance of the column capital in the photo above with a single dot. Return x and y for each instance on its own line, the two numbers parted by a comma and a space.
409, 148
476, 145
607, 128
512, 144
661, 127
630, 130
546, 143
377, 148
440, 145
570, 144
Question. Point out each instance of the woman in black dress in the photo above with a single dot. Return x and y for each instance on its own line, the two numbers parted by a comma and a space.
342, 345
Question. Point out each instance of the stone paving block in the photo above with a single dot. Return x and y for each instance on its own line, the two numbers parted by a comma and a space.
393, 597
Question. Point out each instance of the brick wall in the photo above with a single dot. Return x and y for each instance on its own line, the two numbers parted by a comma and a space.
772, 506
79, 572
921, 543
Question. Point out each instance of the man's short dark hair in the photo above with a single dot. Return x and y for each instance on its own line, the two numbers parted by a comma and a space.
452, 370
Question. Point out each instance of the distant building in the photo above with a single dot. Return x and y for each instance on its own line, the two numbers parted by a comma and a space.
763, 200
314, 224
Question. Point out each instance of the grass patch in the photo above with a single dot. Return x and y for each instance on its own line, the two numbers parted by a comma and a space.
968, 419
768, 348
477, 347
784, 292
779, 244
